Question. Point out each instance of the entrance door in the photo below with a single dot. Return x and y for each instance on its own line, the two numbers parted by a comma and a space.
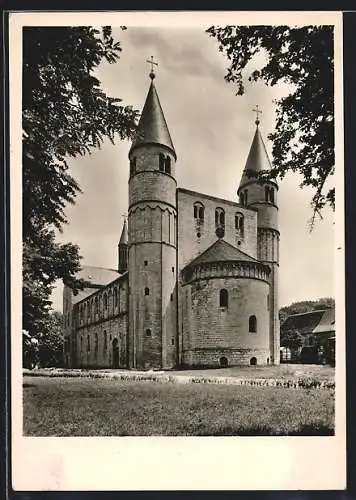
115, 353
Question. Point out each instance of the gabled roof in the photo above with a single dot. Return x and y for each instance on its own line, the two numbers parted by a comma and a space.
152, 127
311, 322
221, 251
97, 276
327, 322
257, 160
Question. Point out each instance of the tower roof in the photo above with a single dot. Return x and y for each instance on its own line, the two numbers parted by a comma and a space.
152, 127
257, 160
124, 236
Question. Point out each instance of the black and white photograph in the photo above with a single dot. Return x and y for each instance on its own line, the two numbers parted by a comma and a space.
177, 196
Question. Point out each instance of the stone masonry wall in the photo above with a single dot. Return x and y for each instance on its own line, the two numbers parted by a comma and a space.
209, 328
103, 311
190, 244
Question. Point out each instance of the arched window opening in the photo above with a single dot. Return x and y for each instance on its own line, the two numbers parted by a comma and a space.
133, 166
246, 197
88, 340
199, 212
161, 162
115, 296
224, 298
168, 165
105, 300
242, 199
222, 219
148, 332
271, 195
239, 223
267, 193
253, 361
147, 291
96, 344
81, 343
219, 217
252, 324
105, 345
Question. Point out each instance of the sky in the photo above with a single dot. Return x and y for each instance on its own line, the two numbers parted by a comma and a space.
212, 130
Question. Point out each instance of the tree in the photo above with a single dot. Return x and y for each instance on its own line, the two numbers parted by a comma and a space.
305, 306
45, 348
291, 339
303, 140
66, 114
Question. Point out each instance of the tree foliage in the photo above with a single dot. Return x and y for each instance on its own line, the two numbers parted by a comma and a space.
303, 140
45, 348
66, 114
305, 306
291, 339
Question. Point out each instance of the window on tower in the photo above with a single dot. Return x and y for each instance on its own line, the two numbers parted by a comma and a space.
161, 162
271, 195
252, 324
167, 165
246, 197
224, 298
147, 291
133, 166
267, 193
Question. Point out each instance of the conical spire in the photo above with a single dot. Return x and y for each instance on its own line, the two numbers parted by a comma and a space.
124, 235
257, 159
152, 127
123, 249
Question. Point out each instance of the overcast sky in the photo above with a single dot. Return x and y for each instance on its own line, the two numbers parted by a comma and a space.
212, 130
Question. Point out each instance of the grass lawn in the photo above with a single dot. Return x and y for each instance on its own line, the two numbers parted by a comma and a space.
101, 407
283, 370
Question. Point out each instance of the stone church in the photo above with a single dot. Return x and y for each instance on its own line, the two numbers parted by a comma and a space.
197, 278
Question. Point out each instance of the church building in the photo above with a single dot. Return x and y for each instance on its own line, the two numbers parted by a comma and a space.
196, 283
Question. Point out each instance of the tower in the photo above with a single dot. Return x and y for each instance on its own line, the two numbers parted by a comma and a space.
152, 241
123, 249
263, 197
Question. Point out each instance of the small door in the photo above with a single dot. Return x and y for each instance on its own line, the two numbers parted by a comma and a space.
115, 353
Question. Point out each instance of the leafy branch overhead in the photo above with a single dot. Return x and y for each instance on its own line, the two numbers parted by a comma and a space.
303, 140
65, 114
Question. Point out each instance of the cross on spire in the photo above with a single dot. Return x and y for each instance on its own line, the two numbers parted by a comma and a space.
124, 216
152, 63
258, 111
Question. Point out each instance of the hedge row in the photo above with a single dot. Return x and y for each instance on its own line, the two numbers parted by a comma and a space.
297, 383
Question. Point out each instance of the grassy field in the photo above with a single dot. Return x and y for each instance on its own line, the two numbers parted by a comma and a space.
100, 407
